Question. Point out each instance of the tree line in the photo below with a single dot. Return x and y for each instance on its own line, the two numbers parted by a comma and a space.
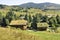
52, 21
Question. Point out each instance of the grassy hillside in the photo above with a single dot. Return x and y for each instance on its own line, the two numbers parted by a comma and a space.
17, 34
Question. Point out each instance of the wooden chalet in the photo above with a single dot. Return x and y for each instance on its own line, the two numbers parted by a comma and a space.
42, 26
19, 24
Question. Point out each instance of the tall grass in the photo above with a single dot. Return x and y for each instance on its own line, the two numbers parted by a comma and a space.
17, 34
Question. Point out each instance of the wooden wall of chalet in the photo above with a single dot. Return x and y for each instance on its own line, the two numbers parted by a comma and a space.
23, 27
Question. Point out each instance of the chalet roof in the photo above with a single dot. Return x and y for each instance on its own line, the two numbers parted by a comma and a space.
42, 24
18, 22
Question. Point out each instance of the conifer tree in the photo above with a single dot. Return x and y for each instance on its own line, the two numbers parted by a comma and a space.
1, 18
34, 23
10, 16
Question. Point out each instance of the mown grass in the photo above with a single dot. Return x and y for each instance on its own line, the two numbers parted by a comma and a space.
17, 34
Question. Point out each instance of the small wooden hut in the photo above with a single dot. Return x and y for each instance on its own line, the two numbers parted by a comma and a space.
19, 24
42, 26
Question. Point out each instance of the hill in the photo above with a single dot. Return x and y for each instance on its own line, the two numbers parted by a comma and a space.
45, 5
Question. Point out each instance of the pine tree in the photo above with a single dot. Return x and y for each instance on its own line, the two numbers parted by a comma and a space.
34, 23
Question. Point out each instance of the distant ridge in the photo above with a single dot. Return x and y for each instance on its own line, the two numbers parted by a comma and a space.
45, 5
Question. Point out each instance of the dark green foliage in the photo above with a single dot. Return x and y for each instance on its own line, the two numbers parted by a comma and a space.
25, 10
1, 18
53, 22
2, 6
10, 16
5, 22
21, 17
26, 17
38, 17
34, 23
17, 9
45, 18
30, 18
34, 19
58, 19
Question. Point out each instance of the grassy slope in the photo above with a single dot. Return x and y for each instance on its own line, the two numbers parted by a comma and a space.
17, 34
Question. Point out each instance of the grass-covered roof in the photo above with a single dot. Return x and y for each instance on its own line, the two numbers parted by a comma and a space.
18, 22
42, 24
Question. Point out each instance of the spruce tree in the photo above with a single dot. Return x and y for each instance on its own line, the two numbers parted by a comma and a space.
34, 23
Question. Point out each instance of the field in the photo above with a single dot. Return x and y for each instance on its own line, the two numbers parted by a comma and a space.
17, 34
